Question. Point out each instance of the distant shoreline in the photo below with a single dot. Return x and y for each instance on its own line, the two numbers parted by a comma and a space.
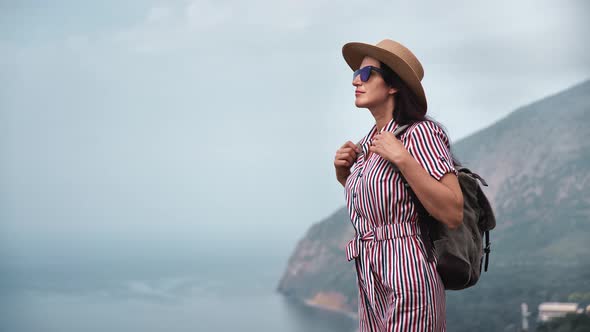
308, 303
317, 306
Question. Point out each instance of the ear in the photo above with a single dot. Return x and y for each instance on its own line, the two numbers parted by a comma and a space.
392, 91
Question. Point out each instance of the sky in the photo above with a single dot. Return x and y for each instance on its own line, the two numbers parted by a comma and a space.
184, 128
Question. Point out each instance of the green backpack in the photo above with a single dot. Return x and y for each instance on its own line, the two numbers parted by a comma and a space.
460, 251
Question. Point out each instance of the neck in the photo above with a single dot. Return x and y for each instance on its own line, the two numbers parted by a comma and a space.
383, 113
381, 121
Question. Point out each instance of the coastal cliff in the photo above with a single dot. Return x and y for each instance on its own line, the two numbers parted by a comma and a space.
322, 250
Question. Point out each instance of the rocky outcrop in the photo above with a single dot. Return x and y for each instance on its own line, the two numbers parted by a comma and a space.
321, 250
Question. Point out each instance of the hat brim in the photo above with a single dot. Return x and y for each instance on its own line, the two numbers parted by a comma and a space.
354, 54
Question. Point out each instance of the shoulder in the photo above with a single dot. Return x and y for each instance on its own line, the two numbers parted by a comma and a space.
427, 130
426, 126
429, 145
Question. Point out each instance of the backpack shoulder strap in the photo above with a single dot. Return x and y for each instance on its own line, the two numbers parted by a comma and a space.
400, 130
397, 132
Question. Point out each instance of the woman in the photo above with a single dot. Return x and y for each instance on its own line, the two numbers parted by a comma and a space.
399, 288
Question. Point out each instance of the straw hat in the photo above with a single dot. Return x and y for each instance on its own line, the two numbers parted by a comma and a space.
400, 59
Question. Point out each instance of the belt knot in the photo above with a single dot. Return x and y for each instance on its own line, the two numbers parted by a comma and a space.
380, 233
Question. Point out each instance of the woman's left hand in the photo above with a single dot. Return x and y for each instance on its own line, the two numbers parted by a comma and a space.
388, 147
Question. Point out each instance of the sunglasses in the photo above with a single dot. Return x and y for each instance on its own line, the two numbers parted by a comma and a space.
365, 72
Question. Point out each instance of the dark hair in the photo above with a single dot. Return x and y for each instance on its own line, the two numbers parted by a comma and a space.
407, 109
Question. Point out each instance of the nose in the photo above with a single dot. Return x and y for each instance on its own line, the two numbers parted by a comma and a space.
356, 81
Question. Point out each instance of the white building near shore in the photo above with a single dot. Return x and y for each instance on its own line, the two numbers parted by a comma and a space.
551, 310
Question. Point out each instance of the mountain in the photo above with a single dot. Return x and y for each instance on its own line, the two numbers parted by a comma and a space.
537, 164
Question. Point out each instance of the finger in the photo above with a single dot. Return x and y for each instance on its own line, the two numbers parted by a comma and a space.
344, 156
352, 146
391, 136
340, 163
349, 158
383, 136
352, 154
347, 150
348, 144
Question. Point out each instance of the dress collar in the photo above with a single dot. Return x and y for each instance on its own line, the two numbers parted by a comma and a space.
390, 126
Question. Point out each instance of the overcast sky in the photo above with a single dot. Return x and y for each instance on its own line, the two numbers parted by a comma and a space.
210, 126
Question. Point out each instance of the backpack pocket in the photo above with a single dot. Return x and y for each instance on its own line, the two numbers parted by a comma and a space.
454, 269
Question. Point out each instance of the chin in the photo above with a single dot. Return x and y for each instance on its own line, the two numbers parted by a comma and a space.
358, 102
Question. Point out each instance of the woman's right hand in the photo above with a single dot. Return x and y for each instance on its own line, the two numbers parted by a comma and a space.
345, 157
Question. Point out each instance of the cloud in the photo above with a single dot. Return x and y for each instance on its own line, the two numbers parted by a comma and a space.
77, 42
205, 14
158, 14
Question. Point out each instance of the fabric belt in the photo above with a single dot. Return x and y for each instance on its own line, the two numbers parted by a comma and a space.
357, 248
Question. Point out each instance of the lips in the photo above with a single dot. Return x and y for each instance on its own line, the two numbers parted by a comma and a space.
357, 92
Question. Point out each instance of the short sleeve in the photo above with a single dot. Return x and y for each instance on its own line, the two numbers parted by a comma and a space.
429, 145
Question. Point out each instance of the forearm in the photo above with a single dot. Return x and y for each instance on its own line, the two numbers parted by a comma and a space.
436, 197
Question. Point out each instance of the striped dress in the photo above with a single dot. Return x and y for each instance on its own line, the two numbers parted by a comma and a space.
399, 290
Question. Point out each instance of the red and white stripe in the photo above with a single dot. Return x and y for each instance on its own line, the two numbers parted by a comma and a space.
399, 290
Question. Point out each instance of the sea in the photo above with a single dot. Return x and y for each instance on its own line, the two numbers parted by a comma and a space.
204, 294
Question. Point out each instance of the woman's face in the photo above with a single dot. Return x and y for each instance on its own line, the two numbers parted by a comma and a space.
374, 92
